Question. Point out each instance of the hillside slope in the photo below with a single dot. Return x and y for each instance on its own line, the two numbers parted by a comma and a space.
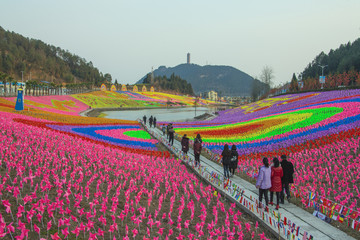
45, 62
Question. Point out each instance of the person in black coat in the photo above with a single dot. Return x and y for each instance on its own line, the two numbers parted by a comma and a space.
151, 120
171, 135
234, 160
226, 155
154, 122
197, 149
288, 169
144, 118
185, 144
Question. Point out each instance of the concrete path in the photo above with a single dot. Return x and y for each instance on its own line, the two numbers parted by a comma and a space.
295, 223
85, 112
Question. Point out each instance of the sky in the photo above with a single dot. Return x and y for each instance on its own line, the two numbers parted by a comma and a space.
129, 38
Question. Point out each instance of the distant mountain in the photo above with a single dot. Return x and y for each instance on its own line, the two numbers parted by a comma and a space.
226, 80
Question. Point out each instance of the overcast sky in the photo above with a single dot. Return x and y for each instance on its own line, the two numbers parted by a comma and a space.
128, 38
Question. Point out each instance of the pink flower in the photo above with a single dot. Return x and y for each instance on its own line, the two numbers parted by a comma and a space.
49, 225
160, 232
76, 231
11, 227
65, 232
7, 205
37, 229
248, 227
100, 232
55, 236
135, 232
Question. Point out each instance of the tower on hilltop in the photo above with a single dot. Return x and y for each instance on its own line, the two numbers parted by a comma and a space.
188, 58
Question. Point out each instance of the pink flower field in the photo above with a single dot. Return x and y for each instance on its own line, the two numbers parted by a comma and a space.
57, 186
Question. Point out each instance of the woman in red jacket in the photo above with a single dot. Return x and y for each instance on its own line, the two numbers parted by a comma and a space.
276, 186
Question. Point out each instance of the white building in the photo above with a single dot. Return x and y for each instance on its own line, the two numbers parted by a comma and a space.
212, 95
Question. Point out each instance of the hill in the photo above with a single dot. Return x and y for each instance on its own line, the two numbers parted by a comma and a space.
44, 61
226, 80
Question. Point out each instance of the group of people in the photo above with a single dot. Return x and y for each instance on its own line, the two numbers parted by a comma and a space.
229, 160
197, 147
276, 179
152, 121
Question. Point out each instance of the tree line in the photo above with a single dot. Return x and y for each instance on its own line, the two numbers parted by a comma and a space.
172, 84
349, 79
20, 55
341, 68
346, 58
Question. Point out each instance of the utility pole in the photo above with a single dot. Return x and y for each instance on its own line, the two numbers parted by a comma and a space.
22, 76
322, 69
322, 75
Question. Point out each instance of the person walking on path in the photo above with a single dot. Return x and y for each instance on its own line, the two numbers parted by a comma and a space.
151, 120
234, 160
185, 144
171, 135
154, 122
276, 186
288, 169
197, 149
144, 118
263, 182
167, 130
226, 156
163, 129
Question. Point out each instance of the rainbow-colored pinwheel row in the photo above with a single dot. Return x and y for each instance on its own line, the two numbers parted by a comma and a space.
281, 124
131, 136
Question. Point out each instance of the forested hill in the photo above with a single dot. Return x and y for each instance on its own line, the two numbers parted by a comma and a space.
342, 59
226, 80
173, 84
44, 61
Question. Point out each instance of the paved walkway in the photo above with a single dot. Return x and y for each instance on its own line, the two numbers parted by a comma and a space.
85, 112
295, 223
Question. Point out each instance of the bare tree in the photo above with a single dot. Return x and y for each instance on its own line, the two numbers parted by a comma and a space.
267, 74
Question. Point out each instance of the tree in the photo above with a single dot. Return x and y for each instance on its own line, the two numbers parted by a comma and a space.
3, 78
147, 79
294, 87
267, 74
14, 82
108, 77
256, 89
